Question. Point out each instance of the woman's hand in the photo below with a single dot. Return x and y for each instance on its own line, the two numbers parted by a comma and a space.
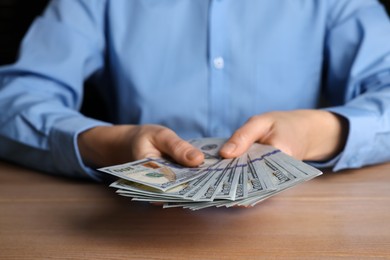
108, 145
304, 134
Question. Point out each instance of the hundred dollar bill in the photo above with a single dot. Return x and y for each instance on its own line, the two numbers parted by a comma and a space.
303, 168
155, 172
209, 146
278, 175
277, 156
242, 186
264, 178
181, 191
260, 173
212, 186
231, 181
200, 185
285, 175
203, 205
129, 187
256, 183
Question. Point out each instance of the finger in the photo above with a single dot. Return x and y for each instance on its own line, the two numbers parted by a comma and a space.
255, 129
148, 153
144, 149
179, 150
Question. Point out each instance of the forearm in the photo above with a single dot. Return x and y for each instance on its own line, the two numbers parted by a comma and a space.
369, 131
45, 141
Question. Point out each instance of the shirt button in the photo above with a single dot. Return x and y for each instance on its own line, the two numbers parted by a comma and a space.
219, 63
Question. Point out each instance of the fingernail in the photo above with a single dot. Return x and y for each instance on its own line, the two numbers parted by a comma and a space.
229, 148
192, 155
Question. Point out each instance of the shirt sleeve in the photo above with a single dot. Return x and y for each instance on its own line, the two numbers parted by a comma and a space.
358, 80
41, 94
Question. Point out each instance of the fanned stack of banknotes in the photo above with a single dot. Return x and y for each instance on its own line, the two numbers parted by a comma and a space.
260, 173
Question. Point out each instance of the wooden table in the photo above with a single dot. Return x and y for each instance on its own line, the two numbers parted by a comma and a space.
337, 215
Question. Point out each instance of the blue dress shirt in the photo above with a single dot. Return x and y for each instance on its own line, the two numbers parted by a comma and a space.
199, 67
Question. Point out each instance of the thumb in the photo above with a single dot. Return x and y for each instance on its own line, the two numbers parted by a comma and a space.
255, 129
179, 150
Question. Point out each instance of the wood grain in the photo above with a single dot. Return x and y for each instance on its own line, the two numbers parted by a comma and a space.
341, 215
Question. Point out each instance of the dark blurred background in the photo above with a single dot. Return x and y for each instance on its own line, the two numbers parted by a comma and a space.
16, 16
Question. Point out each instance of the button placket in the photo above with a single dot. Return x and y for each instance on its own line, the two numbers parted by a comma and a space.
218, 84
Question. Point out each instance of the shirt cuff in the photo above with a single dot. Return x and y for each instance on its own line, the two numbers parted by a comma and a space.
356, 150
325, 164
65, 152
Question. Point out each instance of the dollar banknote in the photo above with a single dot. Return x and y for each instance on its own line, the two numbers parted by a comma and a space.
262, 172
